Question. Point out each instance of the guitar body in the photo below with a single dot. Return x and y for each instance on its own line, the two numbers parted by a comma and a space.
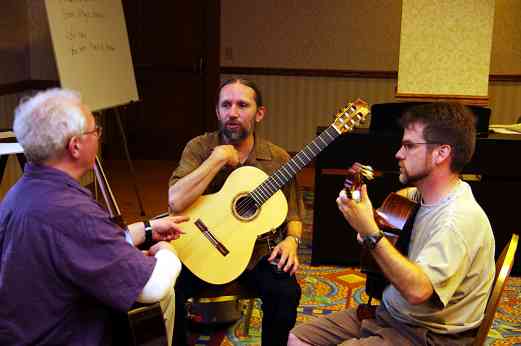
395, 217
218, 213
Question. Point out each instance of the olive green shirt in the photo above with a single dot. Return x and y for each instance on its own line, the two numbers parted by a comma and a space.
265, 155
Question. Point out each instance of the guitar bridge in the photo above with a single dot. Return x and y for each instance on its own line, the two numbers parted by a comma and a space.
206, 232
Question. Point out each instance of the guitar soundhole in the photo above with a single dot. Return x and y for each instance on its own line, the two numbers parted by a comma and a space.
244, 207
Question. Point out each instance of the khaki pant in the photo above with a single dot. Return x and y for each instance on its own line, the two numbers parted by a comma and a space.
168, 308
343, 328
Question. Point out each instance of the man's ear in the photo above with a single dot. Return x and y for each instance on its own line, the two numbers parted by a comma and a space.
261, 112
74, 146
443, 152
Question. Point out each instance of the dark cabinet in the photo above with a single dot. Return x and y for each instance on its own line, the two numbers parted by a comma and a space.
494, 174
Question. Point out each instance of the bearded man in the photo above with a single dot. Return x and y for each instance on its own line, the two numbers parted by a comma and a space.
438, 291
206, 162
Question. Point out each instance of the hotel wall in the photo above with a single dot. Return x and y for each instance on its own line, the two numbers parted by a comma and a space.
342, 35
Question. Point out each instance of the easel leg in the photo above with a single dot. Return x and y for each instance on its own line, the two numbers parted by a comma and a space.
129, 161
3, 163
21, 160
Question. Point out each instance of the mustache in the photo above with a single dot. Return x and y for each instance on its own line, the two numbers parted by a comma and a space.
232, 122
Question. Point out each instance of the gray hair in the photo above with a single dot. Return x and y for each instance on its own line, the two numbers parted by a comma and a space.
45, 122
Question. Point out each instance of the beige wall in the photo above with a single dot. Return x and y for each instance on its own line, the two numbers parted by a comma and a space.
339, 34
332, 34
297, 105
345, 35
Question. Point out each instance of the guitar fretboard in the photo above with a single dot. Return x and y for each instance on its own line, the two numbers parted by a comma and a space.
287, 171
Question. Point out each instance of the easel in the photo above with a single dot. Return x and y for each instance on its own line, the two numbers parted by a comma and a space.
127, 156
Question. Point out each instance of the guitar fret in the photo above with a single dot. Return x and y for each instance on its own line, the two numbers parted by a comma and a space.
323, 141
298, 157
305, 155
327, 133
284, 168
284, 172
315, 145
271, 183
298, 162
272, 186
263, 193
275, 182
294, 171
253, 195
313, 153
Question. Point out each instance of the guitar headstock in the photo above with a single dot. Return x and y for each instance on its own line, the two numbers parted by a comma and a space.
359, 175
351, 116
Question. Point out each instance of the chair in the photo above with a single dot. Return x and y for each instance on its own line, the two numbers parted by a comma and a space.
142, 325
231, 292
146, 324
503, 268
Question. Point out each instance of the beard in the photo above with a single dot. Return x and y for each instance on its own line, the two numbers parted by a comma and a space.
407, 179
234, 135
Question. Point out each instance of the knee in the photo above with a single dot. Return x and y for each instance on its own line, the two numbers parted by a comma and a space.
290, 294
294, 341
293, 295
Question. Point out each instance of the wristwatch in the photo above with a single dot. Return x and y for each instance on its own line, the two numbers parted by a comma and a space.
297, 239
148, 232
370, 241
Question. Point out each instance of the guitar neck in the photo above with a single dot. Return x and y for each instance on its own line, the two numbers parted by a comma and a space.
287, 171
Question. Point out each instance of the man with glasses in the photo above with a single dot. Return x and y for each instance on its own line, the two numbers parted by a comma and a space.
64, 265
438, 292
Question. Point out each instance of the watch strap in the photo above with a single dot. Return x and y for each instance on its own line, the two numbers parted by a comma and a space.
148, 232
370, 241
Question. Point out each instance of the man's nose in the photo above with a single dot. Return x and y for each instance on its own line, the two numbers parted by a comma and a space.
399, 154
233, 112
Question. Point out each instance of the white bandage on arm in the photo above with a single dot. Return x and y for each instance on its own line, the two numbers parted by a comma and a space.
163, 277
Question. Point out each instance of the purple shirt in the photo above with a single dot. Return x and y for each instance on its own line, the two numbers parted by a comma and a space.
63, 264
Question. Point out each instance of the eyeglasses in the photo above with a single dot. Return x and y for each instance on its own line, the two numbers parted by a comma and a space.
98, 130
408, 146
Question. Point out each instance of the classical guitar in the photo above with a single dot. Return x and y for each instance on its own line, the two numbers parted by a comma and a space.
223, 227
394, 217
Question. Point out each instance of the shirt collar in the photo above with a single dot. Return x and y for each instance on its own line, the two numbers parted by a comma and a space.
33, 170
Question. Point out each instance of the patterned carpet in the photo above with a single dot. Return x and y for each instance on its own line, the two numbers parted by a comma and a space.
325, 288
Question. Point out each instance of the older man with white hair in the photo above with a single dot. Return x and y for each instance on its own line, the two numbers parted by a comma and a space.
64, 265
